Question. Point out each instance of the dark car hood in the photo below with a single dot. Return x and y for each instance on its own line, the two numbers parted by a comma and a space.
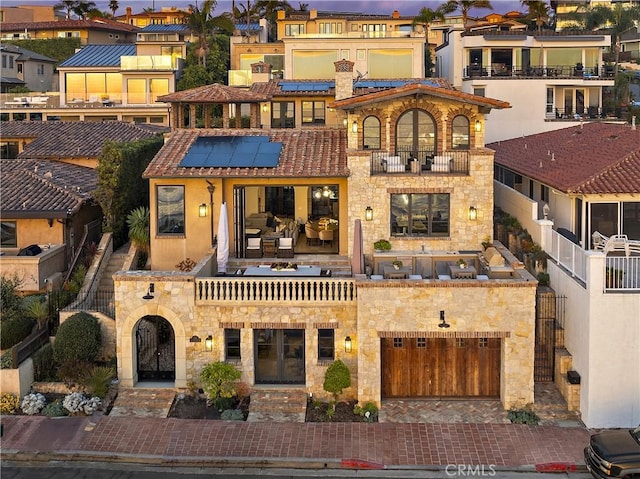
616, 446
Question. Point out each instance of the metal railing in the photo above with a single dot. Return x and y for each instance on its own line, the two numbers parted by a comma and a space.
422, 162
275, 290
567, 254
587, 112
101, 301
499, 70
622, 273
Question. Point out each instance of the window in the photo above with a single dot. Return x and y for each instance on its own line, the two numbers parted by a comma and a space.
421, 343
8, 237
397, 342
326, 344
371, 133
291, 30
170, 210
11, 62
283, 114
232, 344
40, 69
420, 214
4, 61
19, 65
328, 28
460, 133
416, 133
479, 91
313, 113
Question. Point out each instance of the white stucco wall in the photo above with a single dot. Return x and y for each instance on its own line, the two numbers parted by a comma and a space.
602, 332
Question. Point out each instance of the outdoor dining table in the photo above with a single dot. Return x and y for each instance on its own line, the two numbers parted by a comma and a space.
390, 272
468, 272
265, 270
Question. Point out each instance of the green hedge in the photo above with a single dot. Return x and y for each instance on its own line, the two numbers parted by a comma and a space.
15, 330
77, 339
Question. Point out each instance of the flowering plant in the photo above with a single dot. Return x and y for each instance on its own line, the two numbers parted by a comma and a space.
78, 403
33, 403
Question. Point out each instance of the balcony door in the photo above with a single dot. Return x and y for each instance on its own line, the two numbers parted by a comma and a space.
279, 356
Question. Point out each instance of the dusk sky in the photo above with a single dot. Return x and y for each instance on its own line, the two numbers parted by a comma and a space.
405, 7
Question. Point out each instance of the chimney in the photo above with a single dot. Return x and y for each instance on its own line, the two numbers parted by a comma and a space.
260, 72
313, 14
128, 14
344, 79
395, 15
282, 14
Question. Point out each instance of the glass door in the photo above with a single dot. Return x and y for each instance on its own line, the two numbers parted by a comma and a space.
279, 356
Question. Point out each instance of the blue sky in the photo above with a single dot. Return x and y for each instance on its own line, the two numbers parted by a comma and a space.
405, 7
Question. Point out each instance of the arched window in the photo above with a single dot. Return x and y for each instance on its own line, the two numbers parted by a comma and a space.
460, 133
416, 134
371, 133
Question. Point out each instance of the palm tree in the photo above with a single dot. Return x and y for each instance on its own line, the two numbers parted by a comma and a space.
82, 8
139, 230
269, 9
38, 309
426, 16
246, 14
113, 6
465, 6
538, 12
200, 22
67, 5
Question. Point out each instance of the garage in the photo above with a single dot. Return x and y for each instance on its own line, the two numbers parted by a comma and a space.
440, 367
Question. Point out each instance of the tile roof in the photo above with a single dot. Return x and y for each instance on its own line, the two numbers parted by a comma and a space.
311, 152
214, 93
442, 90
73, 139
44, 188
165, 28
595, 158
96, 24
99, 56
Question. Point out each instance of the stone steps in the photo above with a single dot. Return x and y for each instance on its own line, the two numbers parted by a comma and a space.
142, 402
278, 405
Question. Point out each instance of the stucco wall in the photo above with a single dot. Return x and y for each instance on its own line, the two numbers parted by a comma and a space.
17, 381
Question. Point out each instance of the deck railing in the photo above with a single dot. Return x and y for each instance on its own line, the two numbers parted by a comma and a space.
568, 254
421, 162
622, 273
272, 290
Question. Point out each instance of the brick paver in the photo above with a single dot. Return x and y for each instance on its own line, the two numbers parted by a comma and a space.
389, 444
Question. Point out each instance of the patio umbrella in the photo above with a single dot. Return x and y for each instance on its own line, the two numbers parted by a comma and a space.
223, 239
357, 258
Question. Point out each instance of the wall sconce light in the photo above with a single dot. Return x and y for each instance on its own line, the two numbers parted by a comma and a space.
345, 122
202, 210
265, 107
208, 343
368, 213
478, 126
354, 127
348, 345
443, 324
545, 211
473, 213
150, 290
194, 339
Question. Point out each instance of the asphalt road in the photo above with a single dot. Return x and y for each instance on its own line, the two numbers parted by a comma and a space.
76, 470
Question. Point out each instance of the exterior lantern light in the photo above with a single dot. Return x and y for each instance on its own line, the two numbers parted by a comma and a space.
368, 213
443, 324
473, 213
150, 290
478, 126
202, 210
354, 127
265, 107
208, 343
348, 345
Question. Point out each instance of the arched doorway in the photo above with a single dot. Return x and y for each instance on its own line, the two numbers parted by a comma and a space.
155, 349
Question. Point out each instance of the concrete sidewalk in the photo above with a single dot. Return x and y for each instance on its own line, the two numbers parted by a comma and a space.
304, 445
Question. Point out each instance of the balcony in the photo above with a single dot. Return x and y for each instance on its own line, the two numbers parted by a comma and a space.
421, 162
34, 270
148, 63
505, 71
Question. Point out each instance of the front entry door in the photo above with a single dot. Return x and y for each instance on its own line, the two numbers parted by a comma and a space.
279, 356
156, 345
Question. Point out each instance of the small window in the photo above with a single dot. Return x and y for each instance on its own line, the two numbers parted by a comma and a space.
422, 343
40, 71
479, 91
483, 342
326, 344
232, 344
460, 343
313, 113
397, 342
371, 133
460, 133
170, 208
283, 114
9, 238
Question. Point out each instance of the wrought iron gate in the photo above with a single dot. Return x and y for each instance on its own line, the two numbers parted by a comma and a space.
549, 332
155, 344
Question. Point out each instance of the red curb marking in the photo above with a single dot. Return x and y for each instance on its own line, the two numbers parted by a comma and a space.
361, 464
555, 467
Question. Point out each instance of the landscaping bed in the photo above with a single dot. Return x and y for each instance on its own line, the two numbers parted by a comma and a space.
317, 411
187, 406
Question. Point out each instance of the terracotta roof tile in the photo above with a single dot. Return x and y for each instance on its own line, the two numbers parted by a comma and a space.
214, 93
44, 188
312, 152
72, 139
595, 158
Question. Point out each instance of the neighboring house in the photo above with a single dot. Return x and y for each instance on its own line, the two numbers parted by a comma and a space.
630, 43
563, 74
46, 208
565, 10
27, 13
471, 337
94, 31
113, 82
589, 176
22, 67
164, 16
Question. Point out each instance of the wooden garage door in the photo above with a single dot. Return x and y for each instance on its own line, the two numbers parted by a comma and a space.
439, 367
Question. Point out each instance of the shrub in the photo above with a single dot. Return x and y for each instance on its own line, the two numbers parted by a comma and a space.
368, 410
97, 379
224, 403
33, 403
544, 279
523, 416
15, 330
54, 409
337, 378
10, 301
78, 403
78, 339
382, 245
44, 368
232, 415
6, 360
218, 380
9, 403
71, 372
37, 308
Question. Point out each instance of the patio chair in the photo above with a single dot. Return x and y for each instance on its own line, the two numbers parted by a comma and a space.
285, 248
311, 234
254, 248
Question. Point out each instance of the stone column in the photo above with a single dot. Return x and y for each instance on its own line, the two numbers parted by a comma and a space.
192, 116
225, 115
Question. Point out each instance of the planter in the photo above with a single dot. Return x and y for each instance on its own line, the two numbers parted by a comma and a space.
396, 267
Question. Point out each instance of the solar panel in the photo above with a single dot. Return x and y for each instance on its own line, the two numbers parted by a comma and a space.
306, 86
233, 152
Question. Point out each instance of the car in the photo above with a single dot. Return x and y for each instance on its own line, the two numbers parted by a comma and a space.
614, 454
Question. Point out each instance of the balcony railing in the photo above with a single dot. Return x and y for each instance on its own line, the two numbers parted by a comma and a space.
148, 63
275, 290
420, 162
580, 113
500, 70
